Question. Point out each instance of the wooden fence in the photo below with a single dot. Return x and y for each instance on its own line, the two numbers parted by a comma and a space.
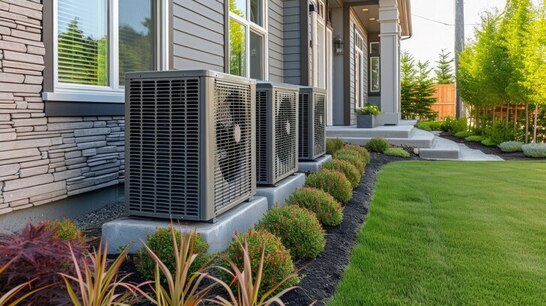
445, 105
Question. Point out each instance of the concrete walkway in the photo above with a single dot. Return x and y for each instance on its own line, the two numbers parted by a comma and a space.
468, 154
445, 149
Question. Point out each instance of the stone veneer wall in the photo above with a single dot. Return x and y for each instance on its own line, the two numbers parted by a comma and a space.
45, 159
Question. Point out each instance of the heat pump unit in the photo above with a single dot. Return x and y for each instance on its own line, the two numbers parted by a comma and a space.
312, 126
190, 144
276, 132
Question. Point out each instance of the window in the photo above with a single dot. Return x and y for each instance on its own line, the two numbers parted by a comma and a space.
317, 50
375, 74
247, 38
98, 41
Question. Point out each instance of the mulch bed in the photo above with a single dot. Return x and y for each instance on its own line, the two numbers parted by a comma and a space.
488, 150
319, 277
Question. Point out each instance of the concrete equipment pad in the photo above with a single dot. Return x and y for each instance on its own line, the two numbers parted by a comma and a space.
276, 195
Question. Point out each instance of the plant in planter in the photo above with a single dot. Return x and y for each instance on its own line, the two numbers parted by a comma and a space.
365, 117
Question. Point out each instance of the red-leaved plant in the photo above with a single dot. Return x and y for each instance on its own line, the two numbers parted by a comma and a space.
37, 255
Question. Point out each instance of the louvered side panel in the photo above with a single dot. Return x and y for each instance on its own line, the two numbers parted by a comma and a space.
285, 134
261, 136
233, 120
304, 126
319, 141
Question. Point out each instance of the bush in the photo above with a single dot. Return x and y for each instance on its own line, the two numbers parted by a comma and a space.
464, 134
299, 230
278, 264
474, 138
345, 167
161, 243
333, 182
333, 145
535, 150
353, 158
65, 229
378, 145
430, 125
511, 146
397, 152
39, 256
455, 126
500, 132
329, 212
365, 154
489, 143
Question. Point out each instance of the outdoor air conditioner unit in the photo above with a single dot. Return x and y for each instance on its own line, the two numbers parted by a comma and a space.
190, 151
312, 126
276, 131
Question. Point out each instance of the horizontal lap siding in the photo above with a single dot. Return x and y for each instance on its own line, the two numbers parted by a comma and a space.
355, 27
276, 43
292, 42
198, 34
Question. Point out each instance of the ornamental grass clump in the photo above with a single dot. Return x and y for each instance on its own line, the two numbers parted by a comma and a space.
365, 154
511, 146
345, 167
298, 228
535, 150
268, 258
333, 182
397, 152
333, 145
328, 211
38, 256
378, 145
161, 243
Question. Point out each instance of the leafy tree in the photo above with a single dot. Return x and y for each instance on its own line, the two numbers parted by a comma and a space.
444, 70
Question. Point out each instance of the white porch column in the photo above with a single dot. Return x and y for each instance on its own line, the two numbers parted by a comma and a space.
390, 34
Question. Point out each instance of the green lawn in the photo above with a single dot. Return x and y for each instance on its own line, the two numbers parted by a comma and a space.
452, 233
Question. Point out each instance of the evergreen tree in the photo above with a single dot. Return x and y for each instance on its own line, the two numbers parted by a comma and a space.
407, 82
424, 93
444, 72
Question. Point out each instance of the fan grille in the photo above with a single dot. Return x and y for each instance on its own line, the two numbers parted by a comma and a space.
233, 118
261, 135
163, 163
304, 126
285, 133
320, 131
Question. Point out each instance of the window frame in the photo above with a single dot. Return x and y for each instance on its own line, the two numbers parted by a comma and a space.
114, 92
372, 58
257, 29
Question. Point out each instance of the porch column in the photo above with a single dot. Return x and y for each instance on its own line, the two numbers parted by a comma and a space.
390, 34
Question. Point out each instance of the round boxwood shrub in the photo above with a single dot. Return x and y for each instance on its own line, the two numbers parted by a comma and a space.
161, 243
488, 142
365, 154
474, 138
397, 152
345, 167
333, 145
298, 228
535, 150
378, 145
511, 146
278, 264
353, 158
333, 182
329, 212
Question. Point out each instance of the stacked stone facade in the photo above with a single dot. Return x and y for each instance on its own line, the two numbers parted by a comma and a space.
45, 159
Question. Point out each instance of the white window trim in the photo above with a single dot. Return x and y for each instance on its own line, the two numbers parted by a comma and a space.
113, 93
261, 30
378, 74
359, 53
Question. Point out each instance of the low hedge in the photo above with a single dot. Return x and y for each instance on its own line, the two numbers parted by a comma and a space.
345, 167
397, 152
298, 228
333, 182
474, 138
353, 157
365, 154
328, 211
334, 145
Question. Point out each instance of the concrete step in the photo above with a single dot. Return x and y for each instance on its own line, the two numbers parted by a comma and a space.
441, 149
399, 131
415, 138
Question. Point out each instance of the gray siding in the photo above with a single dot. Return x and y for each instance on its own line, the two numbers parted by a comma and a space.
292, 44
276, 43
355, 27
198, 34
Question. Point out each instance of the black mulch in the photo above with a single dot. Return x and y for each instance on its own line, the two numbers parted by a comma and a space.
321, 276
488, 150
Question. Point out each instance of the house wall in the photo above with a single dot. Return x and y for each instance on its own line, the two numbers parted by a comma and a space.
292, 42
45, 159
338, 69
355, 27
198, 34
276, 40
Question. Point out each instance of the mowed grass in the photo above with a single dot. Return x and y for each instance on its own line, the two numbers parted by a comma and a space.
452, 233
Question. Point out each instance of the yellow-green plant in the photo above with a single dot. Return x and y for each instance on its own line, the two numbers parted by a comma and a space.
183, 287
98, 283
8, 299
247, 289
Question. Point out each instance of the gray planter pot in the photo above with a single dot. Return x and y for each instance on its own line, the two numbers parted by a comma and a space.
365, 121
